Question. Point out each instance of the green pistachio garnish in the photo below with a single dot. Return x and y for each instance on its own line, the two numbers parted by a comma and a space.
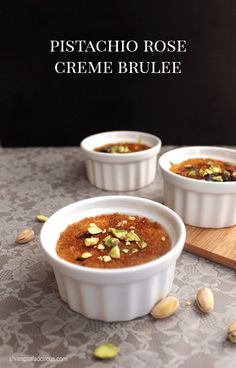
132, 236
106, 351
134, 250
125, 250
41, 218
93, 229
109, 241
226, 173
115, 252
101, 247
192, 173
86, 255
215, 168
202, 172
106, 258
120, 234
142, 245
217, 178
91, 241
119, 149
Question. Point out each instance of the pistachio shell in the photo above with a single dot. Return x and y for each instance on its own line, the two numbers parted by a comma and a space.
106, 351
205, 300
165, 308
231, 332
24, 236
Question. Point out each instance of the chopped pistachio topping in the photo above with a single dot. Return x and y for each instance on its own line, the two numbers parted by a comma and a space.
202, 172
217, 178
132, 218
125, 250
127, 243
119, 149
106, 258
142, 245
132, 236
91, 241
94, 229
120, 234
106, 351
192, 173
101, 246
109, 241
215, 168
115, 252
86, 255
134, 250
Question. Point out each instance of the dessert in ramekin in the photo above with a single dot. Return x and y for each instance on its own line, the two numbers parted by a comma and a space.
117, 294
121, 170
207, 203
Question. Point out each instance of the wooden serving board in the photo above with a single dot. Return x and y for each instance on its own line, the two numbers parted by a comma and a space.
218, 245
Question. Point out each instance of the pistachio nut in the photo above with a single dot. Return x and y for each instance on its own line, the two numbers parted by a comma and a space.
106, 351
91, 241
86, 255
41, 218
115, 252
24, 236
205, 300
165, 308
94, 229
231, 332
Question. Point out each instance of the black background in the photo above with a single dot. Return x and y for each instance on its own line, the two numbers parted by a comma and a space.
40, 107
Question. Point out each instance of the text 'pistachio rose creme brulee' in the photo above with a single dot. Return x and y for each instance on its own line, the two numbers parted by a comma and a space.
122, 147
113, 241
205, 169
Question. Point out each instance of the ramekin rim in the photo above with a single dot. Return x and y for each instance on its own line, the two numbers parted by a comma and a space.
184, 179
172, 253
129, 155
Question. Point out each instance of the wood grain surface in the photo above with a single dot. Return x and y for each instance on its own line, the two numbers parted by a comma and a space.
218, 245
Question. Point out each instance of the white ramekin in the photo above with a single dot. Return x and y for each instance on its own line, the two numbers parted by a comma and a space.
113, 294
120, 172
199, 203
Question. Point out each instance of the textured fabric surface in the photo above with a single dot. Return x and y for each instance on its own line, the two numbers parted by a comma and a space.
36, 324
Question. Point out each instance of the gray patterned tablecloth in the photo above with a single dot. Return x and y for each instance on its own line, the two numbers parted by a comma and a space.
35, 325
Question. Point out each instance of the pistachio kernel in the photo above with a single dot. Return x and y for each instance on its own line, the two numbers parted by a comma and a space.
106, 351
101, 247
109, 241
120, 234
91, 241
125, 250
94, 229
134, 250
115, 252
132, 236
41, 218
86, 255
142, 245
106, 258
192, 173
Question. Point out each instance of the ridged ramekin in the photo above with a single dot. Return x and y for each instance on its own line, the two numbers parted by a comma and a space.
120, 172
113, 294
199, 203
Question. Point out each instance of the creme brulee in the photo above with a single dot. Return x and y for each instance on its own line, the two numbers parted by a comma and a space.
113, 241
205, 169
122, 147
